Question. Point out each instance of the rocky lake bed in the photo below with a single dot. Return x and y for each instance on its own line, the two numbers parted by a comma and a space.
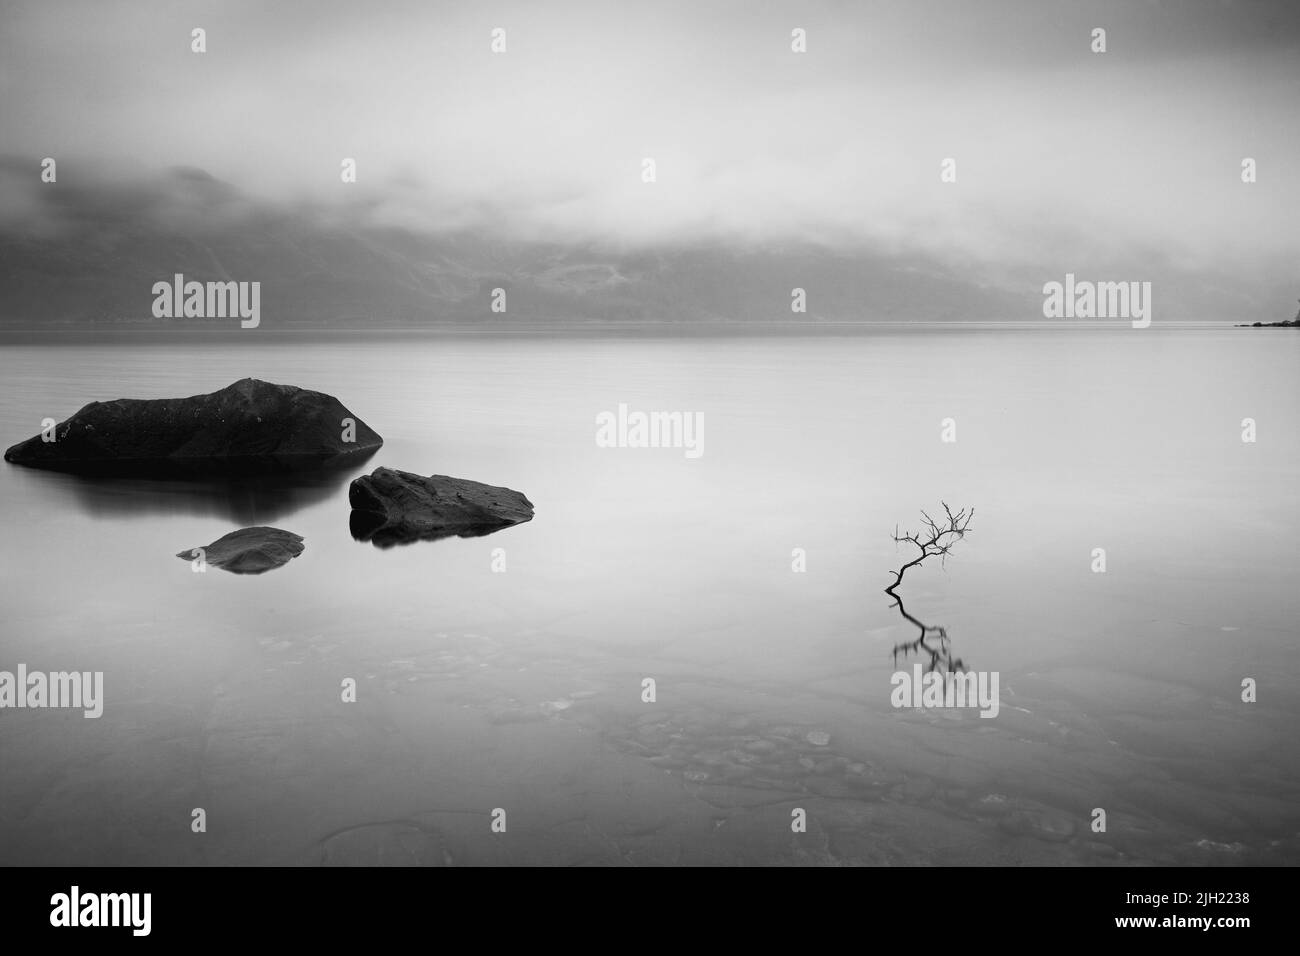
506, 671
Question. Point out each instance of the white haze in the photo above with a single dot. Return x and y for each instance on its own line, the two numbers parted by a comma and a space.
1063, 156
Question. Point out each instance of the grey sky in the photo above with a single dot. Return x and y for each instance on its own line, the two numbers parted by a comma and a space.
1060, 152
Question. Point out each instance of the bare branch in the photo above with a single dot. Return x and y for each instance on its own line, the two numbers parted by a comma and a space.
933, 540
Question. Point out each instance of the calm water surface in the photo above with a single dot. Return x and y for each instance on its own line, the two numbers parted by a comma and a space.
522, 690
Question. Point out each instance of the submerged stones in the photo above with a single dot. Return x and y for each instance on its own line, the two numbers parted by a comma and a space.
1042, 823
248, 550
248, 427
748, 753
397, 507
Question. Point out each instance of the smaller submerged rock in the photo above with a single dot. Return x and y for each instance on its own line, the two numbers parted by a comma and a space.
397, 507
249, 550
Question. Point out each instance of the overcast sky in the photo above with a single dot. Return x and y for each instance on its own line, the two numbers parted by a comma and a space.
1058, 150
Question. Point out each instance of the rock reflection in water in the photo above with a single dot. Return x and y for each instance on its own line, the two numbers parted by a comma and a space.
242, 499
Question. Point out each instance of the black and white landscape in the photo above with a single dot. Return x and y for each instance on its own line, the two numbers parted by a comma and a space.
791, 433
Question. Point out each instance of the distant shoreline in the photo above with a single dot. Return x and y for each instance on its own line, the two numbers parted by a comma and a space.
589, 330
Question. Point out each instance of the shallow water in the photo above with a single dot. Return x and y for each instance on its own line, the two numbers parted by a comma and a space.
522, 690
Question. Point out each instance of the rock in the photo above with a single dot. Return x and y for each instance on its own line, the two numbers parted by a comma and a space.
994, 804
397, 507
667, 762
1044, 824
245, 428
710, 758
830, 787
818, 738
250, 550
918, 789
399, 843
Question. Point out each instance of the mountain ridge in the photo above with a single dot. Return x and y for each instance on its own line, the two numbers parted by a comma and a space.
87, 257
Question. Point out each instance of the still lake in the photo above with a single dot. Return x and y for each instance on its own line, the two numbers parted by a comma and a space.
521, 689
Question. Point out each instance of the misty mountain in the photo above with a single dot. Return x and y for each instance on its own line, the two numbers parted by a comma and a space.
74, 256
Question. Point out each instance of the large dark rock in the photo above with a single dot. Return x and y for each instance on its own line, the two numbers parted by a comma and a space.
245, 428
396, 507
249, 550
